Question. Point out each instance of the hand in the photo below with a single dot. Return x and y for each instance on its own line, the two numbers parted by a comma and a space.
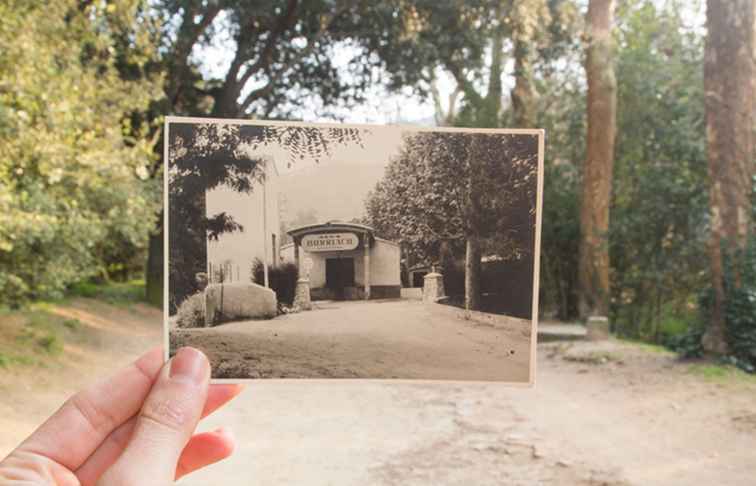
132, 429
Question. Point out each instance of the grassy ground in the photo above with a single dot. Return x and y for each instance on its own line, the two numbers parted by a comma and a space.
34, 335
117, 293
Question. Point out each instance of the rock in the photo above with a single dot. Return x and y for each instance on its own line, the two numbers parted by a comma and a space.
238, 300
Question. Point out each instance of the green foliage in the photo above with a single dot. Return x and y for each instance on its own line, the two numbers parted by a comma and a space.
740, 306
113, 293
740, 311
73, 171
688, 345
561, 112
34, 335
657, 233
282, 279
722, 372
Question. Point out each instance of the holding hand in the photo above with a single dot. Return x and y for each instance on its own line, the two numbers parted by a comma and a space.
132, 429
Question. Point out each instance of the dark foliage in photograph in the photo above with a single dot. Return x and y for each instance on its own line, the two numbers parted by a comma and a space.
282, 279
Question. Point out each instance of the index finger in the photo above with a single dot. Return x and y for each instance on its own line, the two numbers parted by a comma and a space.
72, 433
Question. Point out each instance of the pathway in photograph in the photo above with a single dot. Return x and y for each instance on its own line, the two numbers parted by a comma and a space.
375, 339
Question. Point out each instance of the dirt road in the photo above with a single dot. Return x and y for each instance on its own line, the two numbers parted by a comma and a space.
375, 339
610, 414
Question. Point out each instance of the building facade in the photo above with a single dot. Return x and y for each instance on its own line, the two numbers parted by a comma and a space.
231, 257
345, 261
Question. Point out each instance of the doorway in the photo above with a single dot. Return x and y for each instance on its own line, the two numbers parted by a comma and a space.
339, 274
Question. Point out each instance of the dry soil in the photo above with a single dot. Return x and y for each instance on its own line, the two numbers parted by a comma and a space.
608, 413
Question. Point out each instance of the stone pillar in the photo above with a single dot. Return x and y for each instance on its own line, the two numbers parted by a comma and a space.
597, 328
302, 294
366, 263
433, 287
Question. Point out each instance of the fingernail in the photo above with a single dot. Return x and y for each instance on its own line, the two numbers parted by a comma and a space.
188, 364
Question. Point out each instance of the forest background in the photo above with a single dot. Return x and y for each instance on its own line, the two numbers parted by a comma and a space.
649, 205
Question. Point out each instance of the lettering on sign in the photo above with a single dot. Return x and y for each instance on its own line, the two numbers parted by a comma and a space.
330, 242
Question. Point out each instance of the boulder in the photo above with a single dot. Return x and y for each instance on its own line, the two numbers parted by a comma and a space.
238, 300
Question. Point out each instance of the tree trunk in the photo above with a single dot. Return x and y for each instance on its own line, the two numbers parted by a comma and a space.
523, 94
154, 272
728, 83
472, 273
593, 269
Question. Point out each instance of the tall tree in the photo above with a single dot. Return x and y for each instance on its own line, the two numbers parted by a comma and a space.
284, 58
729, 85
530, 20
533, 33
474, 193
597, 169
72, 169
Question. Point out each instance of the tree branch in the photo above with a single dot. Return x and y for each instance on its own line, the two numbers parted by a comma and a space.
285, 21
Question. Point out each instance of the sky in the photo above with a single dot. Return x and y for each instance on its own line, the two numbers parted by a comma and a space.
336, 185
380, 145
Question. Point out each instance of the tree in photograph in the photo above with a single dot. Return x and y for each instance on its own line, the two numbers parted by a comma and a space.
729, 85
473, 192
597, 169
206, 156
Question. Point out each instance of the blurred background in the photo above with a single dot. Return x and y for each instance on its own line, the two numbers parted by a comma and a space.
649, 208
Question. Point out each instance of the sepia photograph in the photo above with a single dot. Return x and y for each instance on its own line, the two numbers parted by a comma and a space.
353, 251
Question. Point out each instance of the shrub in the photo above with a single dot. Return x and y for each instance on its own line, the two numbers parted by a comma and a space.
191, 312
739, 307
282, 279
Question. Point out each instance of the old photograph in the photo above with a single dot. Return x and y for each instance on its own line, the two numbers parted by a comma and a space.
353, 251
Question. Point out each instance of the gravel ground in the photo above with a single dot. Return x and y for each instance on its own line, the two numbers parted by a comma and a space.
606, 413
357, 339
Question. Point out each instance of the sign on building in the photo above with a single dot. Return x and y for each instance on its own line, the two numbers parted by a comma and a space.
330, 242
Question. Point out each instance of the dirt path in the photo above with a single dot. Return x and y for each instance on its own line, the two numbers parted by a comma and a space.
606, 414
357, 339
107, 338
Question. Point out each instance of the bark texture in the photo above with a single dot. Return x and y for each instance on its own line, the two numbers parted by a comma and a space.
472, 273
729, 86
597, 170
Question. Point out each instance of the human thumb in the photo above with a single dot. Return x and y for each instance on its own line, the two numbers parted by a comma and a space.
165, 423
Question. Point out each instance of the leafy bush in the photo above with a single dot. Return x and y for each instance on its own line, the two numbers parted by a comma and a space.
739, 311
740, 308
282, 279
74, 163
114, 292
191, 312
688, 345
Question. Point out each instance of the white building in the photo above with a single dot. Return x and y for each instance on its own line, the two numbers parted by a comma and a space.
345, 261
232, 256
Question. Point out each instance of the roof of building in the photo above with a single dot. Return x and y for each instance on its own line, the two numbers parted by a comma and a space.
330, 226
